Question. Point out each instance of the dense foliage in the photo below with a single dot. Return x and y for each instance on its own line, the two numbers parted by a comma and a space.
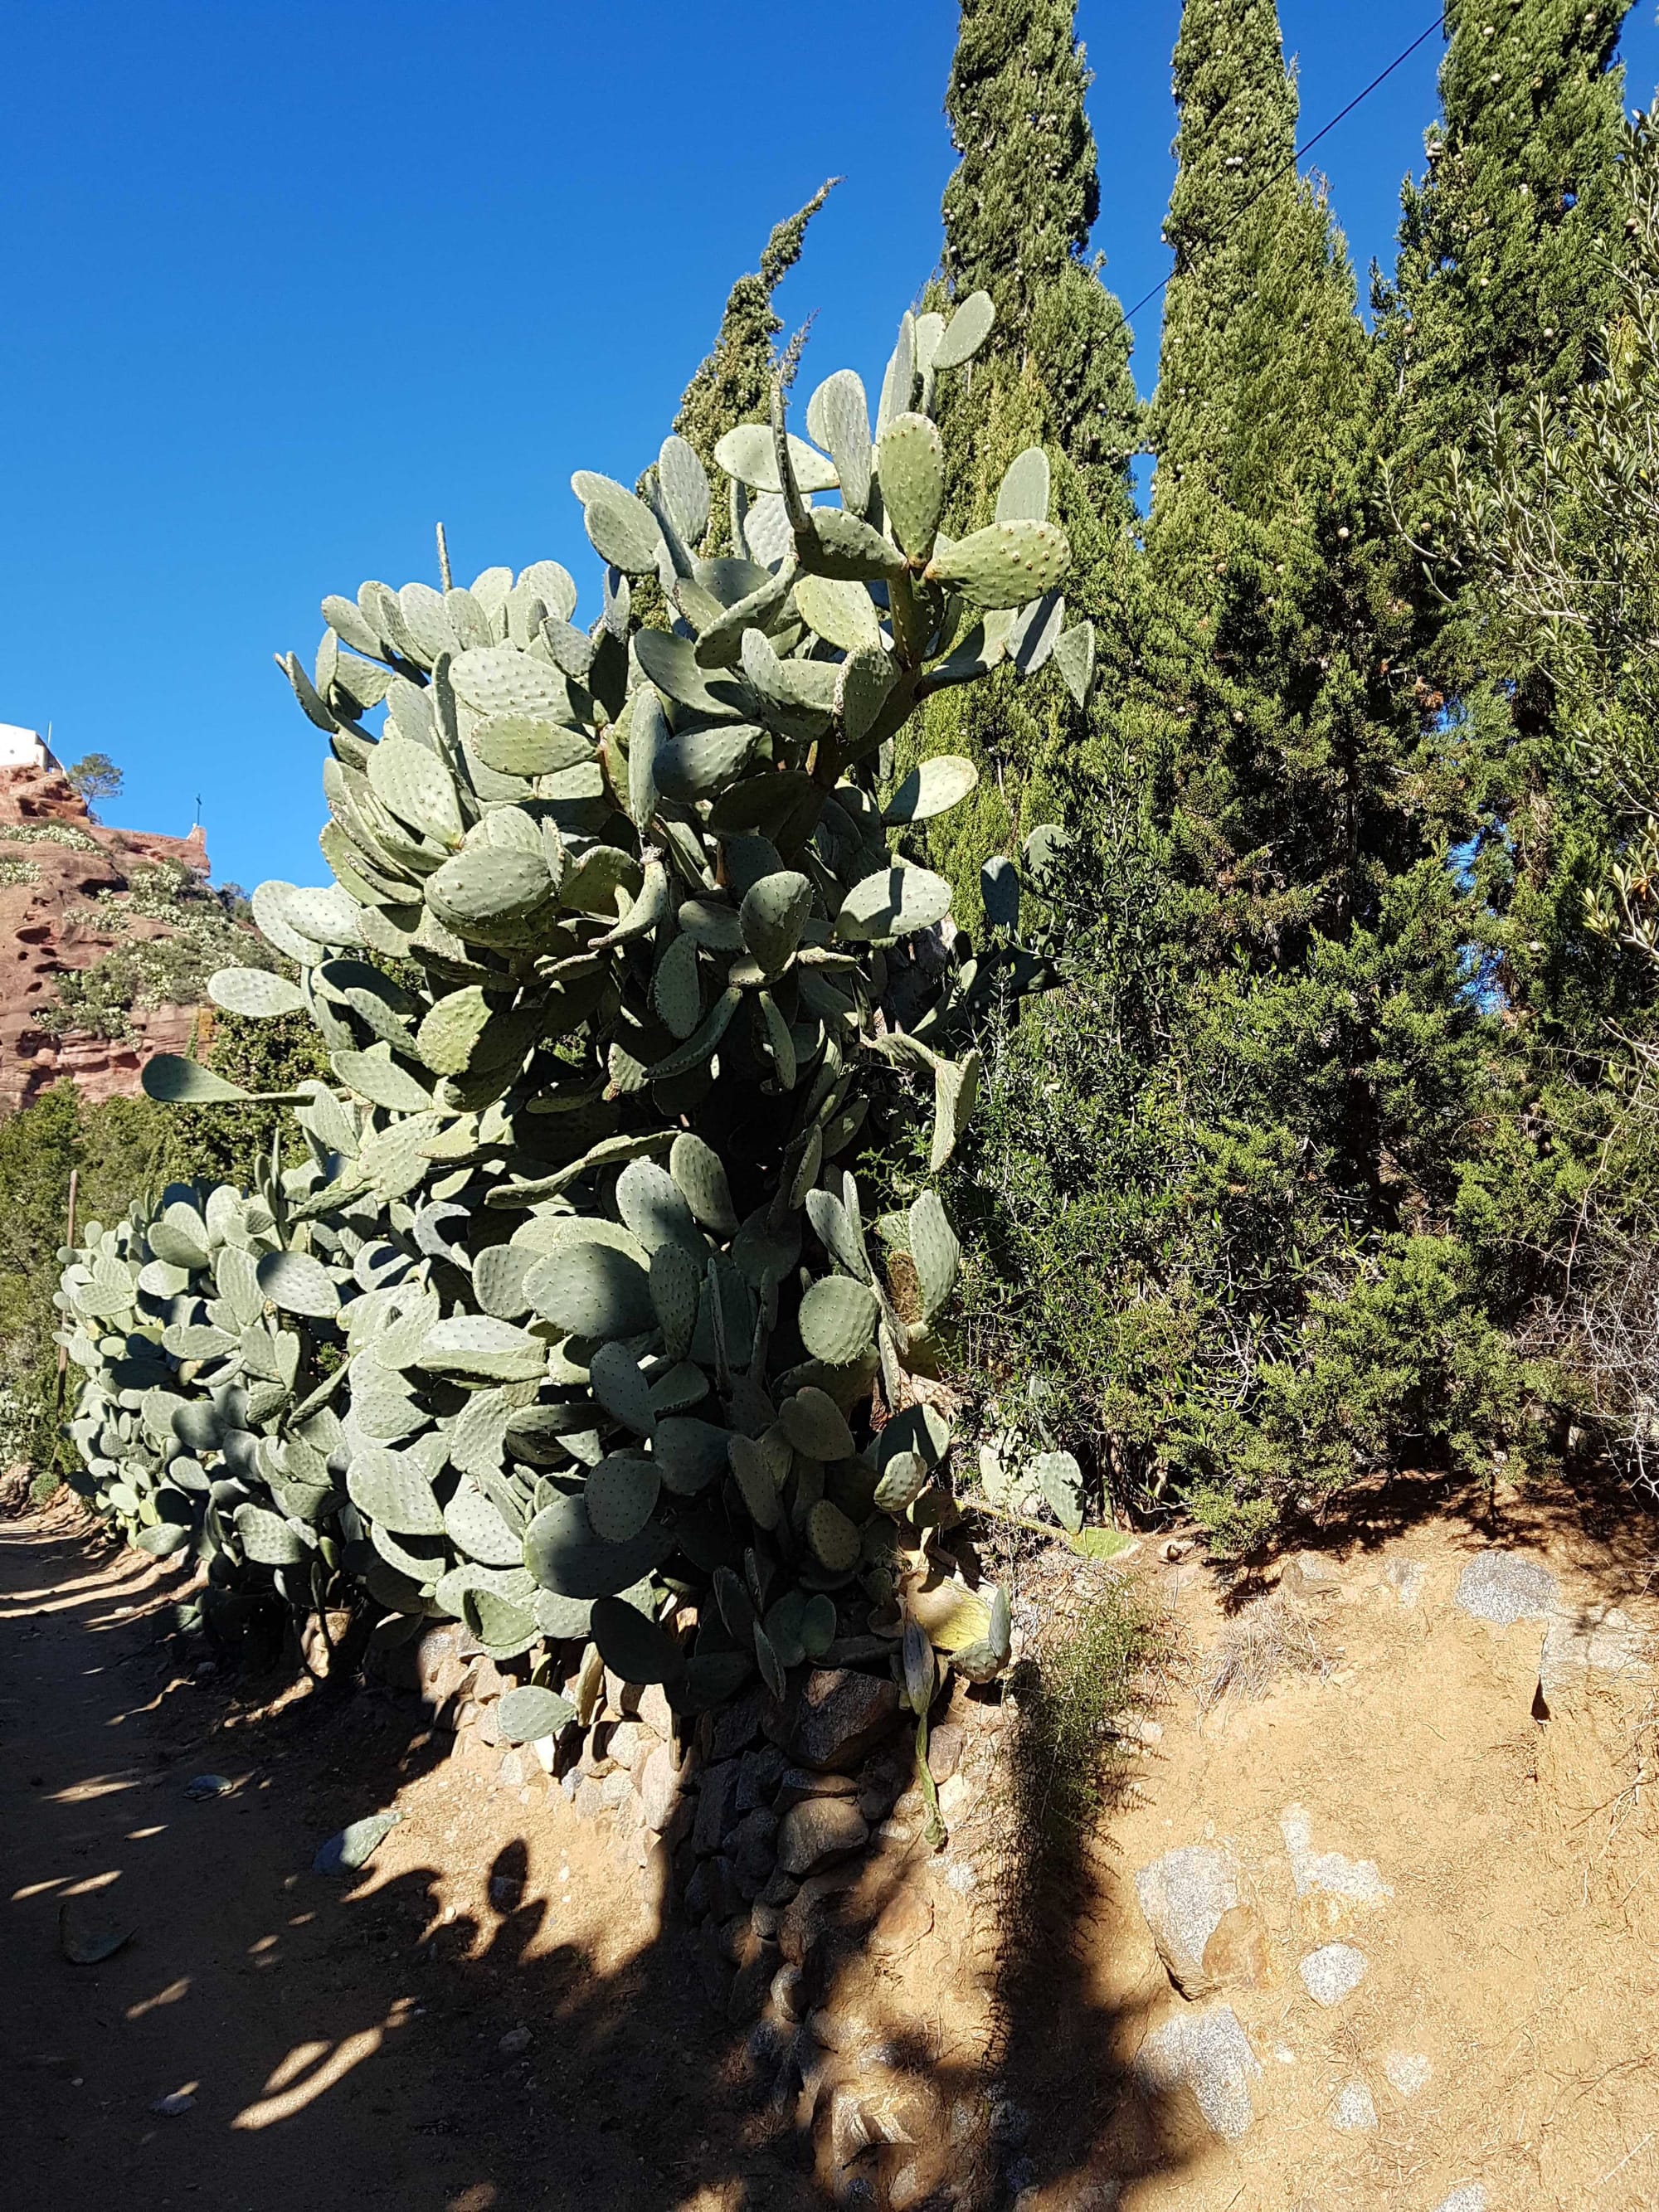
570, 1312
1324, 1147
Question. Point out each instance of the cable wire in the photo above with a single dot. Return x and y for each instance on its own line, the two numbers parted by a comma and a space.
1342, 115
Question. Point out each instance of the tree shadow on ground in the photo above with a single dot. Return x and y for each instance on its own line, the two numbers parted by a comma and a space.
445, 2031
1587, 1519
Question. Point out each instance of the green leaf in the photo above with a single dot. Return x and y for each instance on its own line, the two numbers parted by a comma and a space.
933, 787
893, 903
1004, 564
299, 1285
838, 1320
529, 1712
910, 462
254, 992
637, 1649
966, 331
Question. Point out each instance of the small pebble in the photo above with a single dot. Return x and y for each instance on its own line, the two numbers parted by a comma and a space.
515, 2040
170, 2107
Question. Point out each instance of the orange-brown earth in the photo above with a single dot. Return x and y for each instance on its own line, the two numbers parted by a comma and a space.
52, 922
1406, 1792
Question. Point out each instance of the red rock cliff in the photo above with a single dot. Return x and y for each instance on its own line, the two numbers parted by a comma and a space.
52, 922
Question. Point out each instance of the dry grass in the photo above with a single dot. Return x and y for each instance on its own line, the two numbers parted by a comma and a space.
1273, 1635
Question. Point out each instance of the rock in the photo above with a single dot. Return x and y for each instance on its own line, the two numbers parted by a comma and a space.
616, 1790
818, 1833
487, 1724
753, 1982
622, 1699
697, 1894
903, 1925
170, 2106
660, 1787
1467, 2197
625, 1742
796, 1784
1405, 1578
510, 1770
839, 1717
752, 1851
712, 1969
780, 1890
1355, 1878
787, 1994
808, 1914
516, 2039
739, 1724
1353, 2112
1591, 1639
759, 1773
715, 1795
589, 1800
1208, 2053
945, 1745
1184, 1896
961, 1875
1333, 1973
1503, 1588
1408, 2071
656, 1710
838, 2030
738, 1941
1310, 1577
955, 1799
765, 1919
725, 1897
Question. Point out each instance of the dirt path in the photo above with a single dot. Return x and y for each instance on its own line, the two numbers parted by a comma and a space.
340, 2039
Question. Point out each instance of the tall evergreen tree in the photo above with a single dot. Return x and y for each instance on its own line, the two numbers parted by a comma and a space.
1508, 267
1277, 727
732, 382
1505, 273
1017, 213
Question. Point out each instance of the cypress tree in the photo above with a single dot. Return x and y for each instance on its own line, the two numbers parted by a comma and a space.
1508, 267
1055, 372
732, 382
1504, 274
1276, 725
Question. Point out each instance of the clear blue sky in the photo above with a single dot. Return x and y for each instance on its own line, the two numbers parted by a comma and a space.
286, 282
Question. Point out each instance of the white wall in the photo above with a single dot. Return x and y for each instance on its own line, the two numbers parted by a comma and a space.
21, 747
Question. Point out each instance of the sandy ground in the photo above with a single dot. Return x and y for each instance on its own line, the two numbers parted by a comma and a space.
340, 2039
1512, 1967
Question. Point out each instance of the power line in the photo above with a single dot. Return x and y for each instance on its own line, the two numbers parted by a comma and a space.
1405, 55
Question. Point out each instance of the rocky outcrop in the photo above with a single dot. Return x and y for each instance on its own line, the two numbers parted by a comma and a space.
54, 861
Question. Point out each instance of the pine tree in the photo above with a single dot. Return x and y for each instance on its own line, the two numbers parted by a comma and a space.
1056, 374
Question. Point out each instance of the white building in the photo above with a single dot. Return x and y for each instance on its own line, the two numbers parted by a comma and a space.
21, 748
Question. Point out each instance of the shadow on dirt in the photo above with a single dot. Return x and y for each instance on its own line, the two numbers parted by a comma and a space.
371, 2043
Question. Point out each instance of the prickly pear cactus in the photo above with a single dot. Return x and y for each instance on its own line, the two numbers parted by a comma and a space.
584, 1235
202, 1420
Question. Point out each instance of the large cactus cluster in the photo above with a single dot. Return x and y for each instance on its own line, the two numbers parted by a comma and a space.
576, 1304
